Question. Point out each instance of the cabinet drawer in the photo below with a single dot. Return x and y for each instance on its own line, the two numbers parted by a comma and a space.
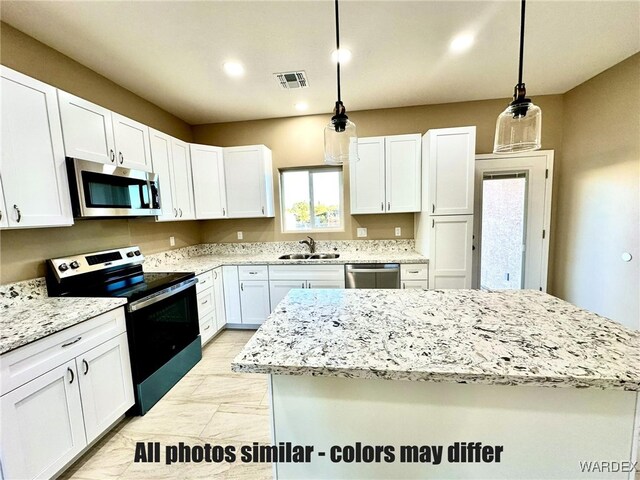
418, 271
205, 280
26, 363
409, 284
253, 272
207, 328
205, 302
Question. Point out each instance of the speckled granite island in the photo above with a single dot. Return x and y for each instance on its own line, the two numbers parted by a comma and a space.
411, 367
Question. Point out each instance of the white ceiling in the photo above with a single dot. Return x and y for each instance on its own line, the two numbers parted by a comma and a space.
172, 52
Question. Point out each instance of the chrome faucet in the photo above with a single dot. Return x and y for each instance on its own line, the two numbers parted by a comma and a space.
311, 243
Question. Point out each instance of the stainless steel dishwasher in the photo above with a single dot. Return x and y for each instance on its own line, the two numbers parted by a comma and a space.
372, 275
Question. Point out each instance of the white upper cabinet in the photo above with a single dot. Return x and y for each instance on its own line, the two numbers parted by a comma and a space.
448, 170
209, 195
87, 129
249, 181
366, 175
132, 142
161, 161
172, 163
94, 133
386, 176
33, 171
182, 180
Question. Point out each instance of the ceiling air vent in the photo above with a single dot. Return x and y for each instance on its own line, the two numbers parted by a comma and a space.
291, 80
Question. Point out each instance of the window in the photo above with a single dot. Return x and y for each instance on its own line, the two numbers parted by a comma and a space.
311, 199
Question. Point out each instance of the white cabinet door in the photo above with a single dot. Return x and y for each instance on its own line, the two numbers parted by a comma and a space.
325, 283
403, 166
33, 170
4, 223
410, 284
233, 313
367, 177
218, 295
87, 129
451, 161
161, 161
254, 301
132, 143
450, 242
208, 181
105, 383
42, 426
249, 182
207, 328
183, 182
278, 289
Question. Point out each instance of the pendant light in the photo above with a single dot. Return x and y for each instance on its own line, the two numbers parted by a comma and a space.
340, 140
519, 127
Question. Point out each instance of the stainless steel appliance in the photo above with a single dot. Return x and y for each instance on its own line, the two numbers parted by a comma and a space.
161, 314
372, 275
101, 190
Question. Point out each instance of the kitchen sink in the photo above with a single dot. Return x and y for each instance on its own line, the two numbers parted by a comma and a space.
295, 256
324, 256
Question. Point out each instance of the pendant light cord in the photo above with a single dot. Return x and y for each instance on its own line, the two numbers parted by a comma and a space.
521, 40
338, 49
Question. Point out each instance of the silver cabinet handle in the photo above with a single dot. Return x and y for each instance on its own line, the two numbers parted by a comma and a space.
215, 275
180, 212
388, 206
121, 157
382, 206
310, 285
224, 213
112, 155
205, 302
72, 342
404, 285
433, 208
207, 327
19, 217
175, 212
413, 271
242, 287
263, 210
0, 214
86, 366
433, 223
302, 285
72, 375
253, 273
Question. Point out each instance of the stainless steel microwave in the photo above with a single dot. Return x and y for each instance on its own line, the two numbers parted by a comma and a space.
101, 190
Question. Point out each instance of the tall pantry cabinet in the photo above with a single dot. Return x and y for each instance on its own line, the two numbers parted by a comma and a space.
444, 226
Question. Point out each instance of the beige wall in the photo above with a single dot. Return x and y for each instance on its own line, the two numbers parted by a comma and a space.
298, 141
22, 251
598, 195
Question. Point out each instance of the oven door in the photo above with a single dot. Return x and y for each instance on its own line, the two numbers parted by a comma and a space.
160, 327
101, 190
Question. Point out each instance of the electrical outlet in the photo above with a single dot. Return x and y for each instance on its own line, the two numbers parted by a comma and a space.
362, 232
172, 241
240, 236
398, 231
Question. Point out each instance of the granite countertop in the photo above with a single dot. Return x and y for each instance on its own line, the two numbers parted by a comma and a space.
202, 263
33, 319
466, 336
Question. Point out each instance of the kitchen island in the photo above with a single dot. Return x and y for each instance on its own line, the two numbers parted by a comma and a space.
543, 383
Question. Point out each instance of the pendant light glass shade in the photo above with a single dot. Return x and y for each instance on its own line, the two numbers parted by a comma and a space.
340, 139
518, 129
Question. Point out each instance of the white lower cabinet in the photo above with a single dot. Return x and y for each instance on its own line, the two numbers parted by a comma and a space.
49, 418
415, 284
218, 295
210, 304
254, 301
450, 244
287, 277
278, 289
414, 276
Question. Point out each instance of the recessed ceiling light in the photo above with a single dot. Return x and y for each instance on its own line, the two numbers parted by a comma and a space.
461, 43
233, 69
302, 106
343, 53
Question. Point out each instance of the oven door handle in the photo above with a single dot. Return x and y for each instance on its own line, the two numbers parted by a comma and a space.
158, 297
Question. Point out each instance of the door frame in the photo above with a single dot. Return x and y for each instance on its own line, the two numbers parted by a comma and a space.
546, 160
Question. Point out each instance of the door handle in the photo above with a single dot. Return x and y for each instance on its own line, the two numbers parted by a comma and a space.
382, 206
72, 375
388, 206
242, 287
112, 155
224, 213
72, 342
121, 158
180, 212
310, 285
0, 215
19, 217
302, 285
433, 208
86, 366
263, 210
175, 212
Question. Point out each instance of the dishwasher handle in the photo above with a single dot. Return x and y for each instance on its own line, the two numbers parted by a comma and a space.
373, 268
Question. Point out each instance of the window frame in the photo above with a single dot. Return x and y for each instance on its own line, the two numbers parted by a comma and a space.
311, 170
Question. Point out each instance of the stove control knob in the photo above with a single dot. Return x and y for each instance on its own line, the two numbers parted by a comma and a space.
74, 265
137, 253
63, 267
129, 254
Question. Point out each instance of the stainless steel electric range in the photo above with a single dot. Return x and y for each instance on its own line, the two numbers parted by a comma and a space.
161, 313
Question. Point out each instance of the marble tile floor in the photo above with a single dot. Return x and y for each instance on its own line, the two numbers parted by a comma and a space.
211, 404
